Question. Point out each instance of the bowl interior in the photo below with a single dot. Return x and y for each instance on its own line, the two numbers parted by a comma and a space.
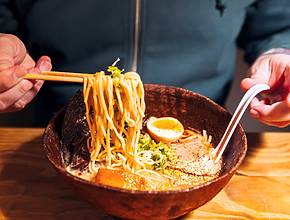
194, 111
198, 112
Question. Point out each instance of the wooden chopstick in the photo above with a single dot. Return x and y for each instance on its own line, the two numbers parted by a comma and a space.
53, 78
57, 76
57, 73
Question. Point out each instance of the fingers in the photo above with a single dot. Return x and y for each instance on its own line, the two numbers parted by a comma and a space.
18, 96
10, 96
10, 77
267, 69
277, 124
277, 114
45, 58
256, 78
255, 102
278, 111
280, 124
246, 84
26, 98
16, 93
12, 51
44, 64
28, 62
274, 70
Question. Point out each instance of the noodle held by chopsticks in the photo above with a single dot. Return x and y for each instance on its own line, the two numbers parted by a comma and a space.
114, 110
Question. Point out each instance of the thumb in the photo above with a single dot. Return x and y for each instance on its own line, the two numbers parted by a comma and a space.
12, 51
257, 77
259, 72
246, 84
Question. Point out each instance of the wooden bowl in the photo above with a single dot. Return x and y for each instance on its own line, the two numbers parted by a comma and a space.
193, 110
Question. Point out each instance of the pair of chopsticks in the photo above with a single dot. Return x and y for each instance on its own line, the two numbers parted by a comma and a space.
57, 76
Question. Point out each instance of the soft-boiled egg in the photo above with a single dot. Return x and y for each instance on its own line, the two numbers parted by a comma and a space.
165, 129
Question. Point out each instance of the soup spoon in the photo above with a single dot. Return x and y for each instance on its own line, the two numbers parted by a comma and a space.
247, 98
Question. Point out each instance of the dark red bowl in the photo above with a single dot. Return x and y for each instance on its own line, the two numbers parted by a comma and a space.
193, 110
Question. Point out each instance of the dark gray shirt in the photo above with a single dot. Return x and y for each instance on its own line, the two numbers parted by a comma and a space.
182, 43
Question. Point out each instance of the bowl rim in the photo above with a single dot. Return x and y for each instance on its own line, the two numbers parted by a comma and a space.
154, 192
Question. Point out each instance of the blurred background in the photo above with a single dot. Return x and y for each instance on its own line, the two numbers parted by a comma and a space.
27, 115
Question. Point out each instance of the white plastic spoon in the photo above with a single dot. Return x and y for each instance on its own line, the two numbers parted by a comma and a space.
249, 95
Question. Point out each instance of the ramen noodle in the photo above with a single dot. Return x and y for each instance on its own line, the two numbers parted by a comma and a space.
122, 154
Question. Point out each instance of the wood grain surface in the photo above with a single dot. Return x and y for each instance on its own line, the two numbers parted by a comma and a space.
31, 189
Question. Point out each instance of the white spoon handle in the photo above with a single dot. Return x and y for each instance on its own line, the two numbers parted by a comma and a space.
249, 95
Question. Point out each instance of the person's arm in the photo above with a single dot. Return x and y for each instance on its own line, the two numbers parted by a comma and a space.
265, 38
15, 92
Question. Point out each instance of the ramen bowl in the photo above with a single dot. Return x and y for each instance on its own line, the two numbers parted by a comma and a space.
192, 110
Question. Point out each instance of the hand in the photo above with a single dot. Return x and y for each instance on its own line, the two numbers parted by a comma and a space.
274, 108
15, 92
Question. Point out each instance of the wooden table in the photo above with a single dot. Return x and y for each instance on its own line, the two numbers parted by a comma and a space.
31, 189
